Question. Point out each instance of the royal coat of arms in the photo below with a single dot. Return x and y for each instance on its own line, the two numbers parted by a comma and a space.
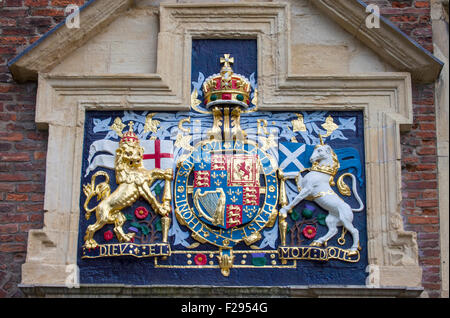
225, 187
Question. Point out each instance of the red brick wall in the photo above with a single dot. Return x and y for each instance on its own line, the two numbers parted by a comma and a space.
420, 194
419, 161
23, 147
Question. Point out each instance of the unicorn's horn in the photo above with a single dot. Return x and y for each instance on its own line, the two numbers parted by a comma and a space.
321, 139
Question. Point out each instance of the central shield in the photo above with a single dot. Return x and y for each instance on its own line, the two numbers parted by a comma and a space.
226, 188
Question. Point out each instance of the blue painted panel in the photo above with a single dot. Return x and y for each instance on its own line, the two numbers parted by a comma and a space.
130, 270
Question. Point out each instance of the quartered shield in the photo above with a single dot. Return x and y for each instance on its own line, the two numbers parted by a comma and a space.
231, 188
226, 188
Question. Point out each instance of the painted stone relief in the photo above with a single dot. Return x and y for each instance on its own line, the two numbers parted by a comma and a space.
224, 194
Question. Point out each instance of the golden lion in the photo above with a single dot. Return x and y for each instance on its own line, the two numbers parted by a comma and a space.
134, 181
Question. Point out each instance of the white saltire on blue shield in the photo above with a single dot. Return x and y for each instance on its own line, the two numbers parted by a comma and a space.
292, 156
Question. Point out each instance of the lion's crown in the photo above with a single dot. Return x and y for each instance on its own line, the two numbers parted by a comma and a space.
129, 136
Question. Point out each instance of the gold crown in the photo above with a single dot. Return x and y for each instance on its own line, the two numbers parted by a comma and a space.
325, 169
331, 170
226, 87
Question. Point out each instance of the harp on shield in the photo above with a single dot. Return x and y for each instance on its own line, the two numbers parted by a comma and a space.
214, 204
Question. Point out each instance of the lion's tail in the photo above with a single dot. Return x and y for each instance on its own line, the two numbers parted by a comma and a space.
345, 190
102, 190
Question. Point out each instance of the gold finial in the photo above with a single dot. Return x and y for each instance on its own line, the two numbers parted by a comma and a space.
330, 126
226, 60
131, 124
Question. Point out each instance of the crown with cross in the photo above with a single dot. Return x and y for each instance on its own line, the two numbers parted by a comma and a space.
129, 136
226, 87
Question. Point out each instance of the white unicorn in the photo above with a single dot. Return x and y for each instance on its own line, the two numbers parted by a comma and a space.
316, 186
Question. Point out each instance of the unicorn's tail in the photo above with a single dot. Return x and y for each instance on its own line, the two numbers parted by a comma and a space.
345, 190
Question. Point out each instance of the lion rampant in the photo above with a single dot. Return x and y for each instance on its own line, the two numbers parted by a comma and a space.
134, 181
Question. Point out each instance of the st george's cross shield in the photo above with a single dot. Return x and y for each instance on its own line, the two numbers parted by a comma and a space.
226, 188
158, 154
